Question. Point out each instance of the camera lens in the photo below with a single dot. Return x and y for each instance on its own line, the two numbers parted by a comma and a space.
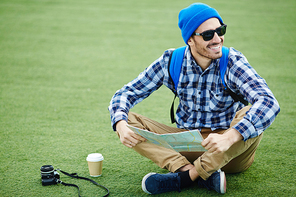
46, 168
48, 175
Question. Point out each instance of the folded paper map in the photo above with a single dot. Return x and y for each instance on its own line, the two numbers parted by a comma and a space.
180, 142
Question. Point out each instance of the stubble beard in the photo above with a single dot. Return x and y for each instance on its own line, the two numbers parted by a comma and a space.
206, 53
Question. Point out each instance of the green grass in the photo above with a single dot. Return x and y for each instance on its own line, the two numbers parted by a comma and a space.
61, 61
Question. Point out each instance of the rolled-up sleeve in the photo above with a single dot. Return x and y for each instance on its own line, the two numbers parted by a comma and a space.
265, 107
138, 89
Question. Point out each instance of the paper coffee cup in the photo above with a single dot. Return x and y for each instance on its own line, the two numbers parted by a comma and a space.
95, 164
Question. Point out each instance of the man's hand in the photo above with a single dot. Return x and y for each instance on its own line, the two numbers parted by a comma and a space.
217, 143
127, 136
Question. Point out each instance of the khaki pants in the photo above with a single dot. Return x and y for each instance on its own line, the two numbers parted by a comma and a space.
237, 158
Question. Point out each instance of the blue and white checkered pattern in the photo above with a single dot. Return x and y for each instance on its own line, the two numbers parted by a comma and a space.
203, 101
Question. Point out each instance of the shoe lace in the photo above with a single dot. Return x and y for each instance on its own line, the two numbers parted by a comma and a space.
207, 184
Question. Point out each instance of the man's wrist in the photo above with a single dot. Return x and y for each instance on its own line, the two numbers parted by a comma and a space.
120, 124
234, 135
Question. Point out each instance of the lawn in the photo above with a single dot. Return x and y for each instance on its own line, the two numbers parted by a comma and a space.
61, 61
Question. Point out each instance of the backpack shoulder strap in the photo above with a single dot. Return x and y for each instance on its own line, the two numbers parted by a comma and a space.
175, 65
223, 66
174, 69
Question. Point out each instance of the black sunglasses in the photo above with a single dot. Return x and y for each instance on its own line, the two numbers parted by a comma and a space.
209, 34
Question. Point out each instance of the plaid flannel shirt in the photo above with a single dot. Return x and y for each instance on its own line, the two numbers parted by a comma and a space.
203, 103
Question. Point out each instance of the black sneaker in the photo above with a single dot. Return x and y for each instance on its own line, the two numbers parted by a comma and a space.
217, 182
154, 183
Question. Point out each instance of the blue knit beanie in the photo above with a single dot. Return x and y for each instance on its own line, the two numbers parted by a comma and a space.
192, 17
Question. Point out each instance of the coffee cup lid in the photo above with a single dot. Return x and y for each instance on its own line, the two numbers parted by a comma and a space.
95, 157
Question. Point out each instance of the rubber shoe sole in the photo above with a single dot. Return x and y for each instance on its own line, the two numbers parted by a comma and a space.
222, 182
144, 180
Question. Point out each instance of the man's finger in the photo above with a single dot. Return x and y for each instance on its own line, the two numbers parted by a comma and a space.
139, 138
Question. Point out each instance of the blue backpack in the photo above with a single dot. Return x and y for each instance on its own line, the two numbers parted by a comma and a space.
174, 67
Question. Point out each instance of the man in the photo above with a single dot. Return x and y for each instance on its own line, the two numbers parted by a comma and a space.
231, 130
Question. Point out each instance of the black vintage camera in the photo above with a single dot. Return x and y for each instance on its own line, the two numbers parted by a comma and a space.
49, 175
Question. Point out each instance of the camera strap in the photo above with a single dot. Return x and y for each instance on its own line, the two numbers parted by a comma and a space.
74, 175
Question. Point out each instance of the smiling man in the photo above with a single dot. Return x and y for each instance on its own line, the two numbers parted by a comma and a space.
231, 130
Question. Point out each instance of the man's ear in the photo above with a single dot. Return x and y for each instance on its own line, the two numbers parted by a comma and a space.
190, 41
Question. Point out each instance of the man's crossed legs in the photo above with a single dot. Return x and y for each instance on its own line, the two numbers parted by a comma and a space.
205, 165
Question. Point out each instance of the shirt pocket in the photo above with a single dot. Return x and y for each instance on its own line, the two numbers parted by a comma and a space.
219, 101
